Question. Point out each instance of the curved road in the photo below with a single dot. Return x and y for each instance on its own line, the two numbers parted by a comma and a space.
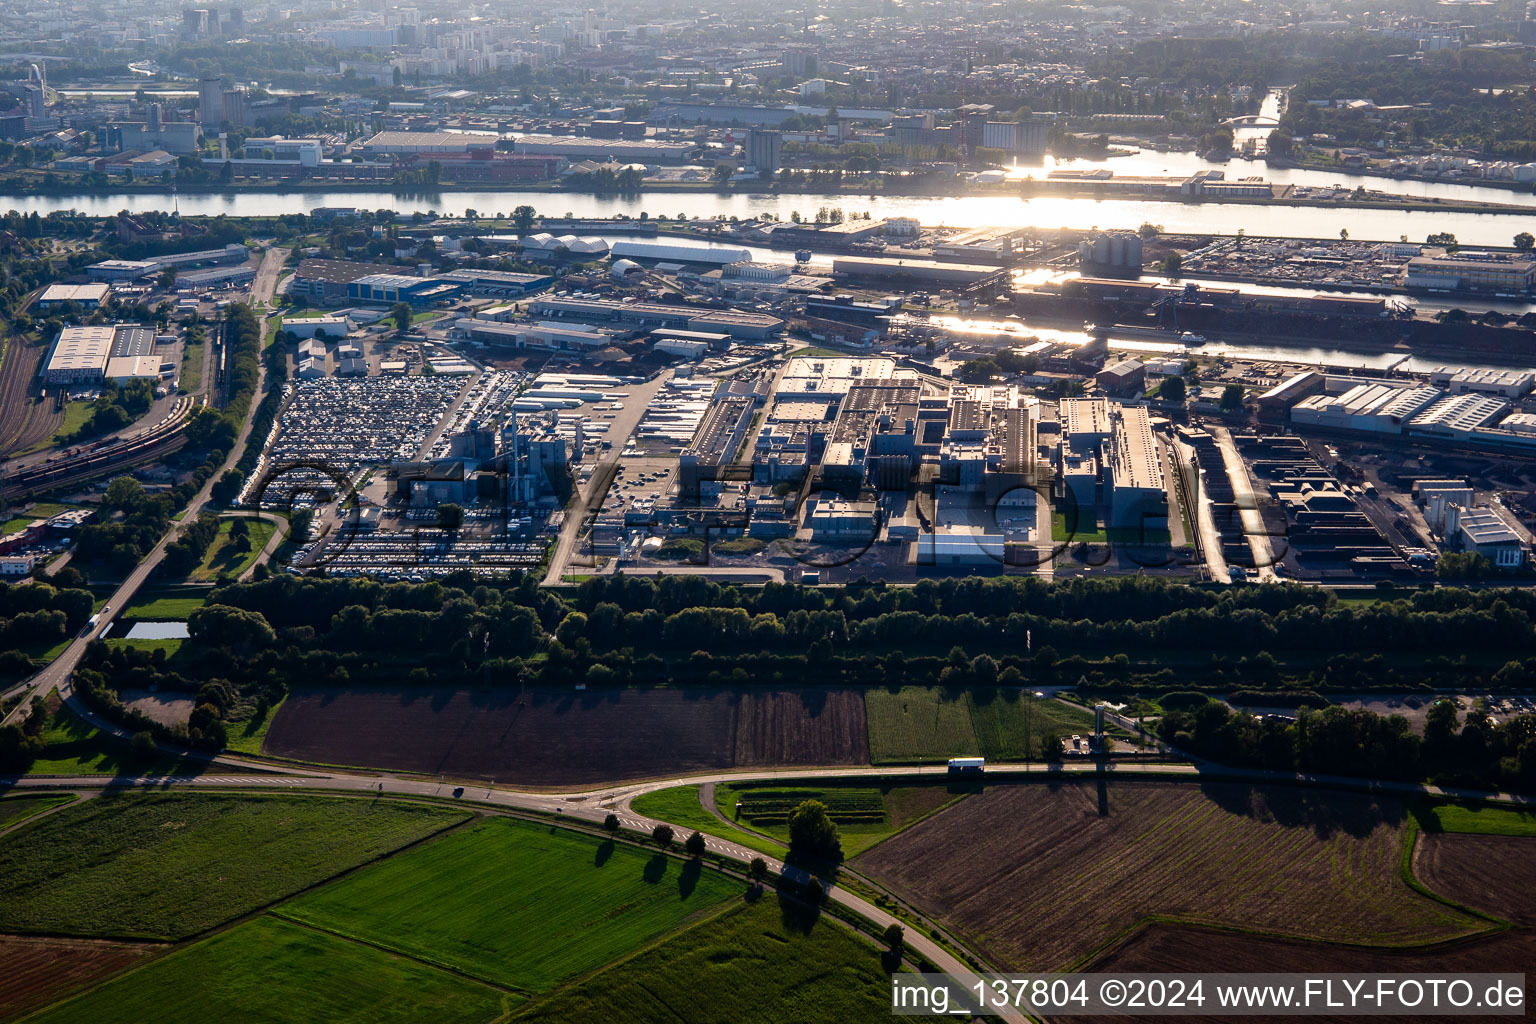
593, 805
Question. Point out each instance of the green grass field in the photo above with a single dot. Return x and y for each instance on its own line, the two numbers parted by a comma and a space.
169, 608
191, 368
1009, 724
169, 866
744, 967
931, 724
75, 747
16, 809
1475, 819
16, 525
917, 723
681, 807
864, 814
170, 645
275, 971
222, 557
246, 736
515, 903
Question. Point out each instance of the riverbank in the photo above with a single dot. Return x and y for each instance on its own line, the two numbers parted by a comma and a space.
1367, 171
1024, 190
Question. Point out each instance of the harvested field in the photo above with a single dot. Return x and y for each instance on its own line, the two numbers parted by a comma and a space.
560, 737
40, 971
1040, 876
809, 727
1161, 948
1487, 873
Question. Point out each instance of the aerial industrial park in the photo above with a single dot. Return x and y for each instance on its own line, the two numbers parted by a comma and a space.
740, 516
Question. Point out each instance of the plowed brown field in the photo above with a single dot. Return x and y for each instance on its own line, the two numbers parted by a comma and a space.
1494, 874
564, 737
39, 971
1040, 876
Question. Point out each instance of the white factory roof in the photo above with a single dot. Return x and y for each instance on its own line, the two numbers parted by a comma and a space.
680, 253
82, 348
1084, 416
1136, 462
74, 293
128, 367
1459, 413
1483, 526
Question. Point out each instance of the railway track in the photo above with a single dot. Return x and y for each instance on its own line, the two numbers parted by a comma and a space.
159, 440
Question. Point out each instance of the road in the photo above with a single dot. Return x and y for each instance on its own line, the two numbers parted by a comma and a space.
279, 536
59, 672
593, 805
1247, 505
619, 431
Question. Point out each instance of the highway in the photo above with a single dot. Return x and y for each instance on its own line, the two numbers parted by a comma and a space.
59, 672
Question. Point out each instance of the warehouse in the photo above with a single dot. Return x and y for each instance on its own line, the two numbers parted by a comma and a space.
638, 315
1499, 273
79, 354
392, 288
497, 283
121, 270
86, 296
685, 254
217, 277
126, 368
327, 280
549, 337
1137, 493
424, 143
309, 327
917, 274
574, 147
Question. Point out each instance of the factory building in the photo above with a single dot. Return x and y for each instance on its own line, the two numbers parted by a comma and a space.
743, 326
544, 336
1126, 377
1488, 381
917, 274
423, 143
327, 280
1375, 407
1481, 531
216, 277
86, 296
684, 254
574, 147
388, 289
121, 270
81, 354
1138, 495
1455, 415
702, 464
497, 283
1484, 272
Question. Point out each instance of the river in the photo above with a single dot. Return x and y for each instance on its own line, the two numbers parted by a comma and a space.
954, 211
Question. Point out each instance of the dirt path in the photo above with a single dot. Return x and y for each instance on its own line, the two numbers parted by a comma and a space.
81, 798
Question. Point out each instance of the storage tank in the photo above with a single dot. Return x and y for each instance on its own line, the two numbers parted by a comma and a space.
1117, 250
1101, 249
